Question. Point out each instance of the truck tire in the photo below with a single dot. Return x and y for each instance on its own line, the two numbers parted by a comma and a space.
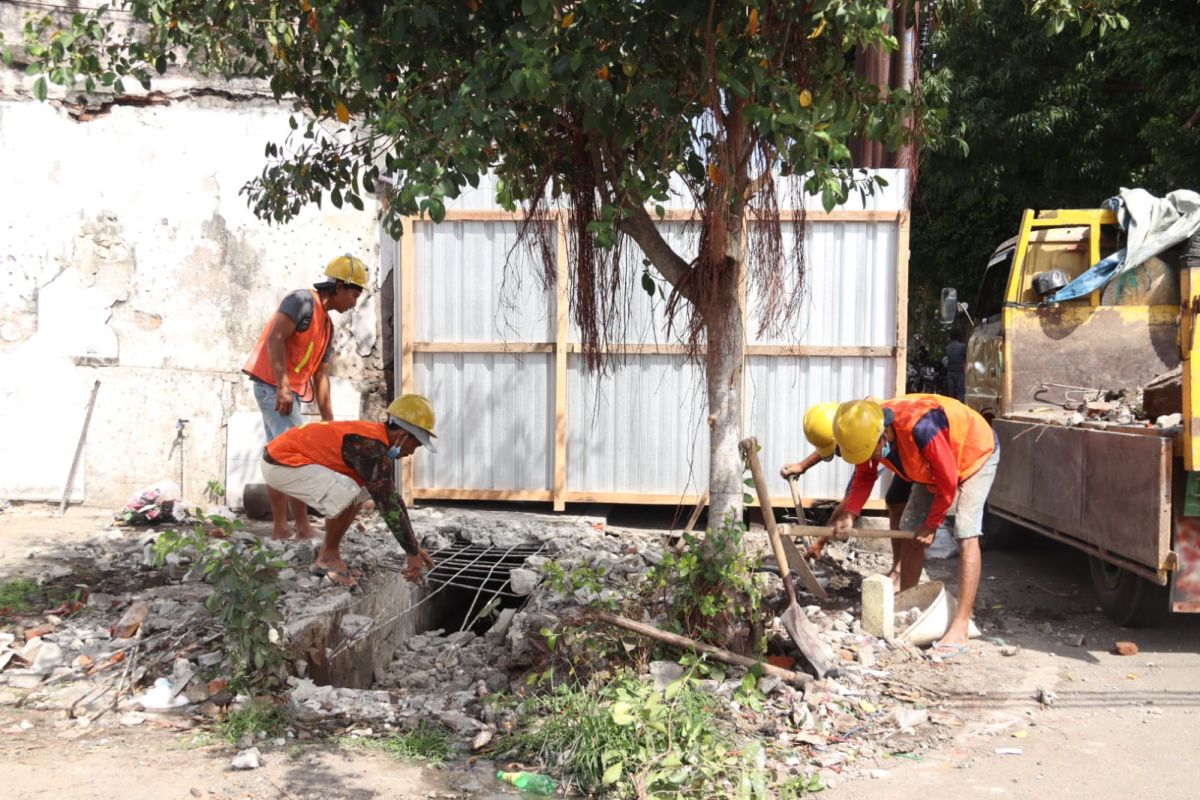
1128, 600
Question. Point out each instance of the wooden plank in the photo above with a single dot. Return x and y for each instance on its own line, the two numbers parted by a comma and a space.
670, 348
902, 248
818, 531
844, 351
483, 347
404, 298
679, 215
561, 334
511, 495
725, 656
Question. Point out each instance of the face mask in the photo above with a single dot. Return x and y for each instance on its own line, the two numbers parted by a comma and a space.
394, 451
887, 449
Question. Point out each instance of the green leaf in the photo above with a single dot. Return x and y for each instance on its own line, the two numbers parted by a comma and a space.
622, 713
612, 774
648, 284
39, 88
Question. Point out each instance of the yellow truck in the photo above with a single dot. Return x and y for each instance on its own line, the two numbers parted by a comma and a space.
1062, 383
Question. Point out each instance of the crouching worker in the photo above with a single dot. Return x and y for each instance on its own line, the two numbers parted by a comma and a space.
946, 450
335, 466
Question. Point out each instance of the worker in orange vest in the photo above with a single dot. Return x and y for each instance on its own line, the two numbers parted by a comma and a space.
818, 429
289, 364
336, 466
948, 451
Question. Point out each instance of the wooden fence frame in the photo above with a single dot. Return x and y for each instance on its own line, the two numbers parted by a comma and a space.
561, 347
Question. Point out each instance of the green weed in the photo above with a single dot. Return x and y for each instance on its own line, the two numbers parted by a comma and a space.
245, 591
429, 743
254, 717
624, 738
15, 594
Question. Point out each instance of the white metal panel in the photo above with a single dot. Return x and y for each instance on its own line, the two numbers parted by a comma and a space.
780, 388
475, 284
639, 429
495, 426
849, 288
645, 317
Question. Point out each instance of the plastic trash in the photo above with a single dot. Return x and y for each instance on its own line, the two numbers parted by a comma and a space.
158, 698
529, 782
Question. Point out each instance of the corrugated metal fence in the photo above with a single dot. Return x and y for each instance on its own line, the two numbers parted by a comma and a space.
520, 419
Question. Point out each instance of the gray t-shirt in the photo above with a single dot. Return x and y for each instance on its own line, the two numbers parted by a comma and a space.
299, 306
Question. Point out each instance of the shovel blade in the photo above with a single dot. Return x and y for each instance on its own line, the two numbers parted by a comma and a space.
811, 645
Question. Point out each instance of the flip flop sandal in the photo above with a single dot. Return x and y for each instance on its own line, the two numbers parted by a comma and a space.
948, 652
347, 579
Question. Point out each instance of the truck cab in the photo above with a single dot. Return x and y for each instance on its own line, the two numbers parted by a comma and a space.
1062, 383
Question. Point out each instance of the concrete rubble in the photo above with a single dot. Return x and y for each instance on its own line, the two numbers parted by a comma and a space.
72, 662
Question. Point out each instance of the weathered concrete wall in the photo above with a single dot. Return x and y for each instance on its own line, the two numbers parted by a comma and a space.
129, 256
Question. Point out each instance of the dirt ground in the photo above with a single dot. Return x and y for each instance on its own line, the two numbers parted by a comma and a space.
1111, 724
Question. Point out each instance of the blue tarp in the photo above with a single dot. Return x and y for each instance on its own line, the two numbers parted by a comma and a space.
1096, 276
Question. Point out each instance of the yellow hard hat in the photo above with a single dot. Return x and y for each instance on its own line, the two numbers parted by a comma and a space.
857, 426
347, 269
818, 428
413, 413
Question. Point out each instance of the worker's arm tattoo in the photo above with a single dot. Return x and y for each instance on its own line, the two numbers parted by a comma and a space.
369, 458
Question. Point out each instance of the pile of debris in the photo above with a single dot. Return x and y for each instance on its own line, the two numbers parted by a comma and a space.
141, 626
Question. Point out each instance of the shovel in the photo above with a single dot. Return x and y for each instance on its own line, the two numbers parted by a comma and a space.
798, 626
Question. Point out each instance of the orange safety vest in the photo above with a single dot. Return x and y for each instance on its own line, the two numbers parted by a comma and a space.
321, 443
970, 435
303, 353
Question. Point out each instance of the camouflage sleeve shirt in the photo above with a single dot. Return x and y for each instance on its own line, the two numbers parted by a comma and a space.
369, 458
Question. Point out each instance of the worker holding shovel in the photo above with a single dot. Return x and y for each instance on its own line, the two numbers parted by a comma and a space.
946, 450
335, 466
818, 429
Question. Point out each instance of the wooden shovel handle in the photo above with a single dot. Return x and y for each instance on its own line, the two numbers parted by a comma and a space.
856, 533
750, 447
797, 501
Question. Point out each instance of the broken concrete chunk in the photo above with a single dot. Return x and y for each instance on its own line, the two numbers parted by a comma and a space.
523, 581
49, 656
247, 759
665, 673
355, 625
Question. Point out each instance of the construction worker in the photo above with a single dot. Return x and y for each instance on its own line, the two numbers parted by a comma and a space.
335, 466
818, 429
289, 364
946, 450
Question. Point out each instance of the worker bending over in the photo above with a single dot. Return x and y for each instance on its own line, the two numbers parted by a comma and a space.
335, 466
818, 429
946, 450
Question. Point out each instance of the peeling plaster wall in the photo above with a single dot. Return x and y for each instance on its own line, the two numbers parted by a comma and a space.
128, 256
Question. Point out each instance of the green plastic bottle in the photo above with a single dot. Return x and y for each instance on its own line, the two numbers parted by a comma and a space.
529, 782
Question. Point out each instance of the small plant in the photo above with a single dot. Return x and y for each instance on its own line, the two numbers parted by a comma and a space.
256, 716
625, 738
708, 590
214, 490
428, 742
15, 594
245, 592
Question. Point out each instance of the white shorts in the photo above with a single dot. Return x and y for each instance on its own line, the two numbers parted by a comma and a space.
318, 487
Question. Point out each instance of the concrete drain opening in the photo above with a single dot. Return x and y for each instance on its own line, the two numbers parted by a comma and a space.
352, 642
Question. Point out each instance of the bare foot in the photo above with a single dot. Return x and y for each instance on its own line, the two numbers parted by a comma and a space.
281, 535
306, 533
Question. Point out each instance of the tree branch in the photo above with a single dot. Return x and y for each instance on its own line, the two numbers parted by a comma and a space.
638, 226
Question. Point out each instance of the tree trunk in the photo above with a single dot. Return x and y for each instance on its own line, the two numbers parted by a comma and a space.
726, 340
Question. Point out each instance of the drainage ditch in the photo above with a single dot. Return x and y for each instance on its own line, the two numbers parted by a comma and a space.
351, 641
